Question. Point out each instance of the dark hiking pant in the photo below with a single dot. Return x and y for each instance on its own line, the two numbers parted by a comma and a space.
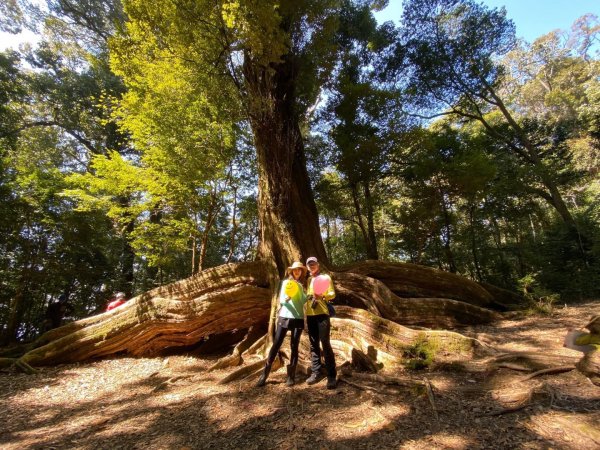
318, 333
295, 326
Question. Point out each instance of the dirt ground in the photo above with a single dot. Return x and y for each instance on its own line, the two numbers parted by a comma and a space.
173, 403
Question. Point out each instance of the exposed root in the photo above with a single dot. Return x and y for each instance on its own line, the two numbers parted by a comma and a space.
250, 370
415, 281
238, 297
549, 371
385, 342
374, 296
362, 362
431, 397
22, 366
512, 367
531, 360
170, 381
257, 347
363, 387
254, 334
214, 301
515, 399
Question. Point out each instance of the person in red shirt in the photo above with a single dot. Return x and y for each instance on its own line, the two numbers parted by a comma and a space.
118, 301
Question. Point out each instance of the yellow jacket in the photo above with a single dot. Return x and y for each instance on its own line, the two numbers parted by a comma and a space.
321, 307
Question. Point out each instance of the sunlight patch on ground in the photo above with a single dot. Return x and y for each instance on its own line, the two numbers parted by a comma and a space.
581, 431
440, 440
364, 421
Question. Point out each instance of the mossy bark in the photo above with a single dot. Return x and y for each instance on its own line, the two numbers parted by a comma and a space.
375, 296
239, 296
415, 281
386, 342
234, 296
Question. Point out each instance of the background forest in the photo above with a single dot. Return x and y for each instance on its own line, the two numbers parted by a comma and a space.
442, 141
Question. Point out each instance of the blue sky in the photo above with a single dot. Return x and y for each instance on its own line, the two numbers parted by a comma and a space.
532, 18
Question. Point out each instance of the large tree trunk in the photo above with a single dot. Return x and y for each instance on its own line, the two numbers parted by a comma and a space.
289, 224
288, 218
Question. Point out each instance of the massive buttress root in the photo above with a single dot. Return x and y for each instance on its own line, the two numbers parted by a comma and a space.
229, 297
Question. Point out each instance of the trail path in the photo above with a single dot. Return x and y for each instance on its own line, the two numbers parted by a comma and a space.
172, 403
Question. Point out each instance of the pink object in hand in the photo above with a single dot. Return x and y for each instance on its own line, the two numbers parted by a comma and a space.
320, 285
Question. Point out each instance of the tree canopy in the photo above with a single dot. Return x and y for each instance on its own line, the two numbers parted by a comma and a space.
141, 143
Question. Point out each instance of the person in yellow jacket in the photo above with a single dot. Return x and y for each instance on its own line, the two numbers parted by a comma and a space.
319, 327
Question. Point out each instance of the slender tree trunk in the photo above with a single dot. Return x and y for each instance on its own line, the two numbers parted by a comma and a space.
533, 233
372, 252
368, 230
474, 242
448, 237
14, 316
16, 307
203, 246
211, 215
557, 200
194, 244
531, 154
328, 238
127, 262
152, 271
233, 227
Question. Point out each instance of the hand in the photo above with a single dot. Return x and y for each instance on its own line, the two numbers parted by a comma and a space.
315, 300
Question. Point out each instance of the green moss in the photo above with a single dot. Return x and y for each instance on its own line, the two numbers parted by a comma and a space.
587, 339
458, 344
421, 354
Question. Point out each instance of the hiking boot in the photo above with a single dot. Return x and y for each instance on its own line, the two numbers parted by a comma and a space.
314, 378
264, 375
291, 372
331, 382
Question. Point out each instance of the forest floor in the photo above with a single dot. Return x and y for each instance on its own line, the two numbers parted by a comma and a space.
173, 403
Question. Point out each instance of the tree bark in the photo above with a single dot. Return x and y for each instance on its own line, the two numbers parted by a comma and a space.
372, 247
412, 280
289, 226
365, 231
237, 296
374, 296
